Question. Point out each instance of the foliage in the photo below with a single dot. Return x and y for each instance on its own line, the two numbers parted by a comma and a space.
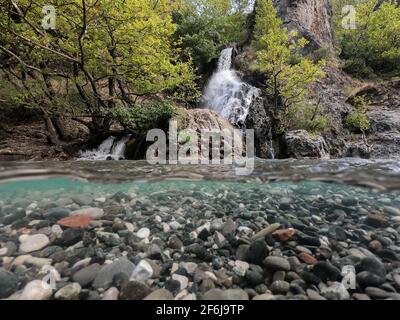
358, 122
289, 74
144, 117
374, 45
321, 54
107, 53
310, 116
205, 27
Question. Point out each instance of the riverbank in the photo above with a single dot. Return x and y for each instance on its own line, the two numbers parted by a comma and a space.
27, 140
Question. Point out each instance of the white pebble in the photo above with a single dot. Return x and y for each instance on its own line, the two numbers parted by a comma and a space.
36, 290
143, 233
33, 243
142, 272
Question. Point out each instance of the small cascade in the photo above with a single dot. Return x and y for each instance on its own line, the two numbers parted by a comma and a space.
225, 60
226, 94
271, 149
109, 149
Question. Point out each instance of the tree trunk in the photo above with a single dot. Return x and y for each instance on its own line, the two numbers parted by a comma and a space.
99, 131
59, 125
52, 135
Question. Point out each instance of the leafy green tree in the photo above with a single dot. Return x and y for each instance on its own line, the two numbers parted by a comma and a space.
374, 45
101, 55
289, 75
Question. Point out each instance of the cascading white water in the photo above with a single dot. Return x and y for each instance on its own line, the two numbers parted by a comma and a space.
226, 94
225, 59
111, 148
270, 145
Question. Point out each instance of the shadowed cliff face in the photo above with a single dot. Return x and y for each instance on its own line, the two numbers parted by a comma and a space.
312, 18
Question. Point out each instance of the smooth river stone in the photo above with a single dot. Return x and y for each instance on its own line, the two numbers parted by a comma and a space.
8, 283
33, 243
111, 294
36, 290
266, 231
143, 233
391, 210
69, 292
95, 213
160, 294
105, 276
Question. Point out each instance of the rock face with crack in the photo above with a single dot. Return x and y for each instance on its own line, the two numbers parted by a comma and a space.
383, 101
312, 18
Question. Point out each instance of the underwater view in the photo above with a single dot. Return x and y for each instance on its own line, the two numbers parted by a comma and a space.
293, 230
199, 157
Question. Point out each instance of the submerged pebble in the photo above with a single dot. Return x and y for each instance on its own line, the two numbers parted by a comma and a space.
188, 241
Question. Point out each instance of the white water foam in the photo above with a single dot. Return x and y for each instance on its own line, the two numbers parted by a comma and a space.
111, 148
226, 94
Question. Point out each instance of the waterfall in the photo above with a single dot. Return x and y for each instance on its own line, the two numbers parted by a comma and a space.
109, 149
270, 147
226, 94
225, 60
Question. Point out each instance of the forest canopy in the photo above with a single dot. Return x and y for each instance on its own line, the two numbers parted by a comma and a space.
132, 62
100, 55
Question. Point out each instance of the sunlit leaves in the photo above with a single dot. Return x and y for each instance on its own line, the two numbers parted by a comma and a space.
276, 48
374, 46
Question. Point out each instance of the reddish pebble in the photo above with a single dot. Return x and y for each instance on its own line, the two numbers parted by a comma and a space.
284, 235
75, 221
376, 219
306, 258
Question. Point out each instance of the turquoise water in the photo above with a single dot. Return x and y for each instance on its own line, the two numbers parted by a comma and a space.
338, 211
162, 192
309, 181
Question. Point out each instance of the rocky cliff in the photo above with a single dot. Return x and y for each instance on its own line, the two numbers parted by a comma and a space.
312, 18
383, 102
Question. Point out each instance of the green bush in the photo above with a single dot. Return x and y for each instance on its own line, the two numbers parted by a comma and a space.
358, 66
373, 47
358, 121
308, 116
140, 118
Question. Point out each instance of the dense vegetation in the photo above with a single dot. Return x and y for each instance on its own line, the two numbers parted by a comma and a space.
205, 27
132, 62
371, 46
102, 55
278, 57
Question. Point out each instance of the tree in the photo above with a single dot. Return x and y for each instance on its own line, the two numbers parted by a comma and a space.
101, 55
289, 75
205, 27
373, 47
